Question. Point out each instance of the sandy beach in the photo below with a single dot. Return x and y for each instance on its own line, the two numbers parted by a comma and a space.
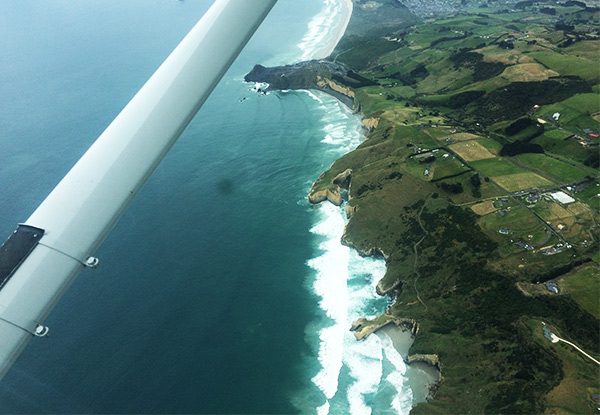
346, 12
422, 376
326, 29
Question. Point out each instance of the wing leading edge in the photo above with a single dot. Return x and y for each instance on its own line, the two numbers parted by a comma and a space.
82, 209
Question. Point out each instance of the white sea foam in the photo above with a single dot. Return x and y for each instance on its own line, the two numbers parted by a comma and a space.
313, 96
330, 286
403, 398
364, 359
324, 409
350, 372
342, 129
345, 284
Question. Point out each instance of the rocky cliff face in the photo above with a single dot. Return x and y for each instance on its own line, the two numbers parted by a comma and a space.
363, 327
430, 359
331, 195
326, 83
370, 124
333, 192
330, 77
303, 75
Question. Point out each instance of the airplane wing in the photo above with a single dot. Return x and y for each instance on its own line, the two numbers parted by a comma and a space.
43, 256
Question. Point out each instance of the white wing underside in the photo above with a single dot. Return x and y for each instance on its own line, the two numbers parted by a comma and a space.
83, 208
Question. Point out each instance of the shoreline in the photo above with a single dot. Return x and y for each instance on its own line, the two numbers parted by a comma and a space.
346, 7
425, 373
426, 376
344, 99
426, 368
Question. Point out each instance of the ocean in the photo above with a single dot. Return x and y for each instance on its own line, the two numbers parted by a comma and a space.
221, 289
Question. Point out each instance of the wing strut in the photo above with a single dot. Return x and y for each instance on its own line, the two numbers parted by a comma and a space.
79, 213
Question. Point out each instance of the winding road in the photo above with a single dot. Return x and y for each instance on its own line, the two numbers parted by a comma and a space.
556, 339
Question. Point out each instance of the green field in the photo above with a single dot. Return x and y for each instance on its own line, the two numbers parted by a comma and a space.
584, 103
416, 169
374, 99
568, 149
447, 167
590, 197
409, 134
584, 288
588, 49
562, 172
491, 145
568, 65
519, 221
556, 135
497, 167
575, 111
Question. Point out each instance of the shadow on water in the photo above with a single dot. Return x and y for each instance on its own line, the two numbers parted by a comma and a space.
225, 186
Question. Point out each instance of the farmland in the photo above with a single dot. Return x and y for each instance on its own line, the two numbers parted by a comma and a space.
560, 171
583, 287
472, 184
471, 151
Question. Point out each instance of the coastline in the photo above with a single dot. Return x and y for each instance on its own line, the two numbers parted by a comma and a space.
425, 370
425, 376
346, 7
391, 146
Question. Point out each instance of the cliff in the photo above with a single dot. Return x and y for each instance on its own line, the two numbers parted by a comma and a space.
363, 327
333, 191
302, 75
330, 77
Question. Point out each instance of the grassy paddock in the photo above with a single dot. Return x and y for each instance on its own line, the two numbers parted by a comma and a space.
484, 208
584, 288
590, 197
567, 65
560, 171
447, 167
471, 151
492, 145
521, 181
587, 49
518, 221
528, 72
497, 167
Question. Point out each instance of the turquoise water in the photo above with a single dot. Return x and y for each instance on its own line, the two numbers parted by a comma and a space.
214, 293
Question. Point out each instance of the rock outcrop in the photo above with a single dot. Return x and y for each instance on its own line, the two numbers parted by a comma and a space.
329, 77
383, 289
343, 179
331, 195
362, 251
363, 327
370, 124
430, 359
333, 192
302, 75
328, 83
350, 210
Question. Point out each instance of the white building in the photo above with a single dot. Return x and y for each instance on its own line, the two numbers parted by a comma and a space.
562, 197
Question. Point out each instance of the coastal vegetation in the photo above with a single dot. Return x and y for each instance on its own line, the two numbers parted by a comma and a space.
479, 186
